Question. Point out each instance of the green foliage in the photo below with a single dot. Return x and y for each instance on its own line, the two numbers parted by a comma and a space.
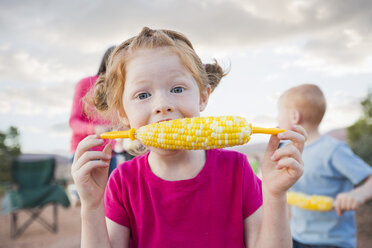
10, 148
255, 165
359, 135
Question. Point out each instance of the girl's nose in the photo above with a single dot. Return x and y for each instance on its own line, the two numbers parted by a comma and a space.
163, 106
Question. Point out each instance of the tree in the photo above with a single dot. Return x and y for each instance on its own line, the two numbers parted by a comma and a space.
10, 148
359, 135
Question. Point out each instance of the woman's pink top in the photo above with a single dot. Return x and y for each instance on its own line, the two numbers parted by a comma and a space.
80, 123
205, 211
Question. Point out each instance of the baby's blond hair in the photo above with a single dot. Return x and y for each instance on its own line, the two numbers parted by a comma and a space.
309, 100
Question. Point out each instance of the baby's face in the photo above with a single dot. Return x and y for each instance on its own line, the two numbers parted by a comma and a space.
283, 117
158, 87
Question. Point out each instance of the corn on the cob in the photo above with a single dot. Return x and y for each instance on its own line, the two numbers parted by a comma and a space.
195, 133
310, 202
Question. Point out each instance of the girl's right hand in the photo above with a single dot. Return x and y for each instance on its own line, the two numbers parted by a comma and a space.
90, 171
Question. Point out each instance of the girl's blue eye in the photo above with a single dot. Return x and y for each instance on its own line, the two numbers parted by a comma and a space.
143, 96
177, 90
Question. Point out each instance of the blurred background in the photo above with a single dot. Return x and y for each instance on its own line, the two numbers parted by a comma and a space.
47, 46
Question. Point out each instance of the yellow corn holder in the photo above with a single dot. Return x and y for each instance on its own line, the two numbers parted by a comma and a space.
310, 202
197, 133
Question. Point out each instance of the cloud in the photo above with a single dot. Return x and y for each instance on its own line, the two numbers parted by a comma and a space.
226, 23
47, 46
59, 40
61, 127
267, 120
46, 101
4, 107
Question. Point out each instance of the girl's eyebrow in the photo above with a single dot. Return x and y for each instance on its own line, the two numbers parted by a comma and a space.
176, 73
139, 83
172, 74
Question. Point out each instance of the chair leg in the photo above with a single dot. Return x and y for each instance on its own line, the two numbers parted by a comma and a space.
34, 215
17, 232
52, 227
13, 225
55, 217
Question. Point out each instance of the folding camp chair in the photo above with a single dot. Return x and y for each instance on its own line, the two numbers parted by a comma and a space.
35, 189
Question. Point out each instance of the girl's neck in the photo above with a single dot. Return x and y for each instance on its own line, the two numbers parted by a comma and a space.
177, 165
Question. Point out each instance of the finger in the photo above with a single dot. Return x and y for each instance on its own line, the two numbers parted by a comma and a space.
351, 203
339, 211
87, 143
299, 129
297, 135
292, 164
90, 156
91, 165
288, 150
272, 146
108, 150
344, 203
336, 206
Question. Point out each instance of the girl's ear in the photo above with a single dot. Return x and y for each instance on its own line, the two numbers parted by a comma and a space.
204, 96
296, 117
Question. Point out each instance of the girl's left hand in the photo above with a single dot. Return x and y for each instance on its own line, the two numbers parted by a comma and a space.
282, 167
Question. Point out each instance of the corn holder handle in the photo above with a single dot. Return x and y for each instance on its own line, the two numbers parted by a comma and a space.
197, 133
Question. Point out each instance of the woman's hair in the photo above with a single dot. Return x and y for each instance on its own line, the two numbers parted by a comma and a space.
109, 87
105, 60
88, 101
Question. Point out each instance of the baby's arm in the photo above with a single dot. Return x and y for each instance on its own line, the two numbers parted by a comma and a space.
281, 168
353, 199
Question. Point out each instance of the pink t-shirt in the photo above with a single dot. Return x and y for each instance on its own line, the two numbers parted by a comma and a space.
205, 211
82, 125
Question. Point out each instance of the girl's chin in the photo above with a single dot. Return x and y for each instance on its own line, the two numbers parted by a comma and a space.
165, 152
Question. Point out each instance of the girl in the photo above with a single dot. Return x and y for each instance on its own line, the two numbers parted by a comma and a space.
178, 198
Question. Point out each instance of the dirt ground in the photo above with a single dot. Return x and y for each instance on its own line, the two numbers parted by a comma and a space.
36, 236
68, 236
364, 225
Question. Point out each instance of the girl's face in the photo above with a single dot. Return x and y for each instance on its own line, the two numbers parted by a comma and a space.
158, 87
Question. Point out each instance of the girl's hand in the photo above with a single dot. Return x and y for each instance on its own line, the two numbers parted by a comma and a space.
282, 167
90, 171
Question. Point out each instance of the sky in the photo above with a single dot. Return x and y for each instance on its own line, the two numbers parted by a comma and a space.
46, 47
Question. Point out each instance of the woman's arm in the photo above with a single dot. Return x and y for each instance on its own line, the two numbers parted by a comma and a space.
78, 121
